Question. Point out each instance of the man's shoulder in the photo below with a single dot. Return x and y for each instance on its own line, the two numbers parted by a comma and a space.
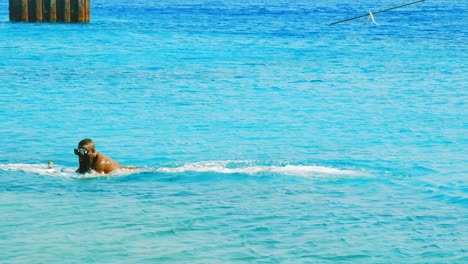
101, 157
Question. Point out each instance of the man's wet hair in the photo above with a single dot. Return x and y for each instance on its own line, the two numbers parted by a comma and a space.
86, 141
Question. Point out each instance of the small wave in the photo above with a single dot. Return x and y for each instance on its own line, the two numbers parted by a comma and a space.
235, 167
41, 169
221, 167
59, 171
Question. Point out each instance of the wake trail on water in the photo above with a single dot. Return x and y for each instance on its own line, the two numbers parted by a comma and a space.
232, 167
219, 167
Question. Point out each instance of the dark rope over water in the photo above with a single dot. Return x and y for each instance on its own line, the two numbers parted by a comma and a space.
380, 11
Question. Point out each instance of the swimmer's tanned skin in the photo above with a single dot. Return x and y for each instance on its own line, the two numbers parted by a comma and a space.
92, 160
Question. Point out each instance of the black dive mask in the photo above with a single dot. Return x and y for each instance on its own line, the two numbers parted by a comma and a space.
81, 151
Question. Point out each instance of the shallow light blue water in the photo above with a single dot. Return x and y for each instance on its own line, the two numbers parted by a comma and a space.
261, 134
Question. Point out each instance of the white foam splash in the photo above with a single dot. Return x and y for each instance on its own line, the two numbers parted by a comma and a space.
223, 167
229, 167
59, 171
41, 169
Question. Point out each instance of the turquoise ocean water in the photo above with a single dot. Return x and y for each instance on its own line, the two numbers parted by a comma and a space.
262, 135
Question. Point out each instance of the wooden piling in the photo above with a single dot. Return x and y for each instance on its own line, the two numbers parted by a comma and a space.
39, 14
68, 11
87, 8
81, 13
32, 10
53, 11
11, 7
24, 11
15, 10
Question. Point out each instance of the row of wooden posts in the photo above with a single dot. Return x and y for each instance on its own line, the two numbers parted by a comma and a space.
66, 11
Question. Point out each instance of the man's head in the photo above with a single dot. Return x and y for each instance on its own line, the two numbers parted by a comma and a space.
86, 154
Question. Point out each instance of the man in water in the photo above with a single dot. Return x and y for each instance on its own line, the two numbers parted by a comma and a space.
91, 160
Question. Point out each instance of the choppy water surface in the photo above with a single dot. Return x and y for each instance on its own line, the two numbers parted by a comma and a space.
260, 134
